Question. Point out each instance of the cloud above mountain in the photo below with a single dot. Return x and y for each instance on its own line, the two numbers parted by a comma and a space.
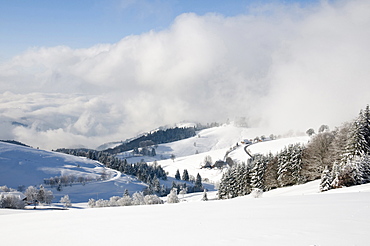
280, 66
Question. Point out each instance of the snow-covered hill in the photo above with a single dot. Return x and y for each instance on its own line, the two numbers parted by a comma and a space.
24, 166
27, 166
214, 142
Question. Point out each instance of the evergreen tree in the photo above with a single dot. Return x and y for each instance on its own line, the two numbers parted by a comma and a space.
290, 165
198, 186
156, 185
225, 184
258, 171
325, 183
205, 197
126, 193
177, 175
185, 175
356, 143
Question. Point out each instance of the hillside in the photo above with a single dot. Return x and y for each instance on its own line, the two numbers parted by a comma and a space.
214, 142
24, 166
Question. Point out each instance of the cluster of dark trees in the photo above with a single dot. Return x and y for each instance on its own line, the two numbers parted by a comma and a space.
148, 151
15, 142
156, 137
65, 180
143, 171
197, 187
340, 158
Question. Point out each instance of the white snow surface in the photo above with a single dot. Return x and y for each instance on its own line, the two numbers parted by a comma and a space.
297, 215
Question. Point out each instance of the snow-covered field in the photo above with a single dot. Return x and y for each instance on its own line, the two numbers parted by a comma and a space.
295, 215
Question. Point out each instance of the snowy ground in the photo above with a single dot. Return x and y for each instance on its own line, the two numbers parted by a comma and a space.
297, 215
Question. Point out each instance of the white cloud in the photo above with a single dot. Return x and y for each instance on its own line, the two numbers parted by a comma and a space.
282, 66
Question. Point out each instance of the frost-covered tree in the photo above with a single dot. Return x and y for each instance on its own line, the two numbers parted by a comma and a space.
113, 201
66, 201
156, 185
102, 203
183, 191
152, 199
205, 197
259, 164
317, 155
91, 203
326, 180
356, 143
323, 128
365, 121
234, 182
125, 201
310, 132
172, 197
44, 195
11, 201
31, 194
289, 165
138, 198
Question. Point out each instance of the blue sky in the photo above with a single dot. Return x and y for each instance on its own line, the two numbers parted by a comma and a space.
83, 23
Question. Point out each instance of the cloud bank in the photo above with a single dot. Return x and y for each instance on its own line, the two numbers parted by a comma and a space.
280, 66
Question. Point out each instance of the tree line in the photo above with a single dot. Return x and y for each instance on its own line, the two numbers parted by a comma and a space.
155, 137
339, 158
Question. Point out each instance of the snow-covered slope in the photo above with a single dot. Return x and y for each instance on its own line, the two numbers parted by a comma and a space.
27, 166
304, 217
214, 142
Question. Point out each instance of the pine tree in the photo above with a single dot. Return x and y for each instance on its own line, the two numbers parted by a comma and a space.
290, 165
356, 143
126, 193
177, 175
198, 186
259, 166
224, 187
365, 122
205, 197
185, 175
325, 183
